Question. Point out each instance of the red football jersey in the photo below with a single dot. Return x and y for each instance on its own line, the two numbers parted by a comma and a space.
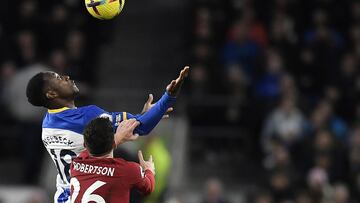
107, 180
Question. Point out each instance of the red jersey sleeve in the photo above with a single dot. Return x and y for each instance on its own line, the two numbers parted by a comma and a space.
143, 182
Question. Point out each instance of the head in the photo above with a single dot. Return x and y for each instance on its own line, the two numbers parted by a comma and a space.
213, 189
341, 193
99, 137
51, 90
263, 197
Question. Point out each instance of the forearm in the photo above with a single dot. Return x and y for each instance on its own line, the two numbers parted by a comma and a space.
151, 118
147, 185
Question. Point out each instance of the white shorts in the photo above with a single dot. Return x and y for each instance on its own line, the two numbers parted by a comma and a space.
62, 195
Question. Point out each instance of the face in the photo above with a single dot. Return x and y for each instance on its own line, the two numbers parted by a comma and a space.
60, 86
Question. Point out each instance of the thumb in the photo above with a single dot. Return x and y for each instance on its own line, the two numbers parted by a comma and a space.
134, 137
150, 99
171, 85
141, 158
151, 159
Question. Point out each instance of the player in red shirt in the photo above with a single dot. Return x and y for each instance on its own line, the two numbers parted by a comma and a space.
98, 177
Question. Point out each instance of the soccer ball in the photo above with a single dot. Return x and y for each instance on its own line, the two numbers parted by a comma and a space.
104, 9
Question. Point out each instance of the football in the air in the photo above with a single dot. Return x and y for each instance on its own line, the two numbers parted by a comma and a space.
104, 9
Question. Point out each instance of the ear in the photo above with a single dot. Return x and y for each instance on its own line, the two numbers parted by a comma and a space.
114, 145
51, 94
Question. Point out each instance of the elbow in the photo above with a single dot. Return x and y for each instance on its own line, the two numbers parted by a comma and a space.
149, 190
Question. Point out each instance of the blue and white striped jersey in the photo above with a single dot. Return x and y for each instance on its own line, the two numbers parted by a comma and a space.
62, 131
62, 134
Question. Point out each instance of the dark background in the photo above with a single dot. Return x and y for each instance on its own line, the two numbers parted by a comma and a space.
271, 107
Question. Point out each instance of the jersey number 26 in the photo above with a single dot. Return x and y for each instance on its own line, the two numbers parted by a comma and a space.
88, 196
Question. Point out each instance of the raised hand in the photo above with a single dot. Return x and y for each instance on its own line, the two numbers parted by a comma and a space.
146, 165
149, 104
175, 85
125, 131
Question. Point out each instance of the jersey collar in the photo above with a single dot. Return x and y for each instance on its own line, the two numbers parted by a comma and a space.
58, 110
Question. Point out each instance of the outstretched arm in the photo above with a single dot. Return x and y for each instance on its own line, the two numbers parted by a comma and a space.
152, 117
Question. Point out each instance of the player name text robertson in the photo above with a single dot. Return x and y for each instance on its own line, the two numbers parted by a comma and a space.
90, 169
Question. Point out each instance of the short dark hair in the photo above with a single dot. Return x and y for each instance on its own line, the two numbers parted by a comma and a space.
99, 136
35, 90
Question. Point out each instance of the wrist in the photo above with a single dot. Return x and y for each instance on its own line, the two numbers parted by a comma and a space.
170, 95
150, 170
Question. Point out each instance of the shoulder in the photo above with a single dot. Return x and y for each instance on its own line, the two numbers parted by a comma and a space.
92, 111
130, 169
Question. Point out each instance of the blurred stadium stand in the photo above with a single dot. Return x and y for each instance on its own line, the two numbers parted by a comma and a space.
270, 112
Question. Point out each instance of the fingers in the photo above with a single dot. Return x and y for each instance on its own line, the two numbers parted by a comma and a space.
134, 124
150, 99
169, 110
165, 116
184, 73
150, 159
175, 85
141, 158
170, 88
134, 137
172, 84
129, 123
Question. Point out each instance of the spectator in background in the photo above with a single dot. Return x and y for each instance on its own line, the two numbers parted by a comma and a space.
58, 62
324, 45
81, 65
354, 151
346, 82
357, 111
7, 72
203, 52
341, 194
56, 26
281, 186
328, 154
257, 31
199, 81
214, 192
323, 118
285, 123
26, 49
282, 34
203, 31
237, 84
318, 184
263, 197
155, 145
241, 49
303, 196
288, 88
27, 15
355, 11
267, 87
355, 186
280, 160
27, 118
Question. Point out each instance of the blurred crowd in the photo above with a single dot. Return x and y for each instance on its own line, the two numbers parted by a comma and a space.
288, 72
39, 35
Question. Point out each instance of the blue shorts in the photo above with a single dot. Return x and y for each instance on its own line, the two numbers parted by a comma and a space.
62, 195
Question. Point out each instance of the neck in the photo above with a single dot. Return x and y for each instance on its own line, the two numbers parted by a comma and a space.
62, 103
109, 155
